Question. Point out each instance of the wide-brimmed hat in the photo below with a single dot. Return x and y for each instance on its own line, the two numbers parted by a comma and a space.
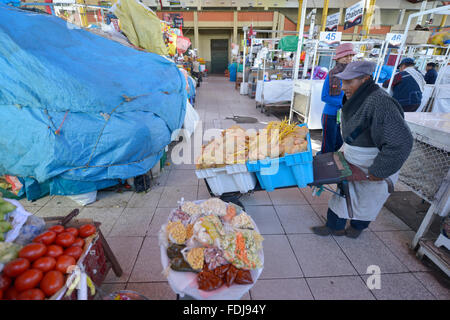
357, 68
344, 50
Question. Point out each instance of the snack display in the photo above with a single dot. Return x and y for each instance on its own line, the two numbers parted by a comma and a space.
237, 145
220, 246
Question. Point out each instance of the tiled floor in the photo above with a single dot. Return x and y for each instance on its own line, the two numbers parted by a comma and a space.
298, 264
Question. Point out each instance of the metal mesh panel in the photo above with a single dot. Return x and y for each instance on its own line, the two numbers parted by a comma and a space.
425, 169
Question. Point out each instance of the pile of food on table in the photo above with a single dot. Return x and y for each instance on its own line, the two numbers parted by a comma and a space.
214, 239
237, 145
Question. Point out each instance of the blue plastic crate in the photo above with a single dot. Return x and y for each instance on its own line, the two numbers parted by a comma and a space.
290, 170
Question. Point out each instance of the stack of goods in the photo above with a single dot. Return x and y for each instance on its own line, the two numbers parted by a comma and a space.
39, 269
237, 145
214, 239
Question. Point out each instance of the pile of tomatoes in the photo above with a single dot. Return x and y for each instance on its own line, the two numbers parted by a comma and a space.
39, 271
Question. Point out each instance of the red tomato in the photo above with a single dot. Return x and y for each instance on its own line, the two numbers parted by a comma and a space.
5, 282
28, 280
31, 294
63, 262
46, 237
44, 264
54, 251
57, 229
11, 294
79, 242
16, 267
33, 251
73, 252
64, 239
73, 231
87, 230
52, 282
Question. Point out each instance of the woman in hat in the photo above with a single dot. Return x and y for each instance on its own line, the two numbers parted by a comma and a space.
332, 95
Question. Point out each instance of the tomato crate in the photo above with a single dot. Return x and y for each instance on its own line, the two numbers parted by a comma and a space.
96, 260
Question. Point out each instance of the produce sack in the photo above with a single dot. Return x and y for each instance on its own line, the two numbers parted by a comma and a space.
141, 25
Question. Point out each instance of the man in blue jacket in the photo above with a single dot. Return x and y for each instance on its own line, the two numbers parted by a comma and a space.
431, 75
332, 95
407, 86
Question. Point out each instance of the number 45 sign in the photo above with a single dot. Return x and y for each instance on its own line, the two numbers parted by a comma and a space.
330, 37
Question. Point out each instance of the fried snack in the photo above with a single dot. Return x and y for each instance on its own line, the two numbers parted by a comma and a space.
242, 221
243, 277
174, 250
231, 213
195, 258
191, 208
214, 206
176, 232
189, 231
231, 275
222, 270
208, 281
179, 264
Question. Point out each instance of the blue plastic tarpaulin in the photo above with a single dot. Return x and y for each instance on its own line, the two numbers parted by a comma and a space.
78, 111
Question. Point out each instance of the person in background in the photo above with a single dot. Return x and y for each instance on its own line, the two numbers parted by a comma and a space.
407, 85
196, 71
377, 143
431, 75
332, 95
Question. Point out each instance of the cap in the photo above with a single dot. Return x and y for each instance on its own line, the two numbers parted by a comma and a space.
344, 50
407, 61
357, 68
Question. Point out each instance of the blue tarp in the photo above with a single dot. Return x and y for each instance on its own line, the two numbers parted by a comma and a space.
116, 107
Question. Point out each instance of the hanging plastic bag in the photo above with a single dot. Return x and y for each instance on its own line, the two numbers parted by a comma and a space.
85, 198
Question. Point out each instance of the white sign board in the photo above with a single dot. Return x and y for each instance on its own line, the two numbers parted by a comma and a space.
394, 39
354, 15
332, 22
330, 37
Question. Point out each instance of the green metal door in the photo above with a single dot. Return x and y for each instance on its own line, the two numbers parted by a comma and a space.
219, 55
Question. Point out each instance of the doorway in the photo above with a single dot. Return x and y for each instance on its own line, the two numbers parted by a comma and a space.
219, 55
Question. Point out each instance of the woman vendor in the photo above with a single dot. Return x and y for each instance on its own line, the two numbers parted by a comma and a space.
377, 141
332, 95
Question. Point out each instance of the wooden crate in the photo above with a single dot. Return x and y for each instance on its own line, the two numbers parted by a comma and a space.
97, 257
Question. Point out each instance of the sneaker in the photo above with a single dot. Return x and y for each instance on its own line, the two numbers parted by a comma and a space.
353, 233
326, 231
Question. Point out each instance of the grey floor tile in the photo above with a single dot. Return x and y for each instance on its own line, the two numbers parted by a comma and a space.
321, 210
298, 219
399, 243
107, 289
153, 290
133, 222
387, 221
148, 267
172, 195
55, 211
266, 219
438, 285
62, 201
320, 256
258, 198
159, 218
32, 210
106, 216
368, 250
339, 288
37, 203
287, 196
279, 259
324, 197
203, 193
182, 178
401, 286
111, 199
146, 199
281, 289
126, 250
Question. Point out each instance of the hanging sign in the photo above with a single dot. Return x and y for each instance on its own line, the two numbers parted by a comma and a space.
330, 37
394, 39
354, 15
332, 22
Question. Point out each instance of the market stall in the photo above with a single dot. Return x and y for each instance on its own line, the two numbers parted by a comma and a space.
57, 258
426, 172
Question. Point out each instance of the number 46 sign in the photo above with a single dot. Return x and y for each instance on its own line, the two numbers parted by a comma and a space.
330, 37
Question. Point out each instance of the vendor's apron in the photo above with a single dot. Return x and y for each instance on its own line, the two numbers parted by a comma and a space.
367, 197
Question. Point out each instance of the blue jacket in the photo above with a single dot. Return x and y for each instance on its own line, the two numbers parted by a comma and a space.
406, 90
431, 76
332, 103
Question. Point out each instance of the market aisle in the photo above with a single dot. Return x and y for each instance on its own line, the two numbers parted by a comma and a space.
298, 264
